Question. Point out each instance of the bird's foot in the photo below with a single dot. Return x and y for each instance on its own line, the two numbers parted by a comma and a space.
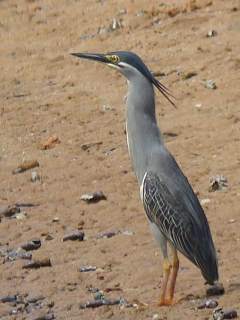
169, 302
165, 302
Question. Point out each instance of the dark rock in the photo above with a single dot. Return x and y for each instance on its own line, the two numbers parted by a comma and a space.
33, 244
215, 290
38, 264
27, 205
9, 211
51, 304
230, 314
10, 298
75, 235
220, 314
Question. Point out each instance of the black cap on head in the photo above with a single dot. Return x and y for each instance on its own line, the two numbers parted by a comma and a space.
116, 57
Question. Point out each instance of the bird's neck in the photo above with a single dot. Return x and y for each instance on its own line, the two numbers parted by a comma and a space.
143, 134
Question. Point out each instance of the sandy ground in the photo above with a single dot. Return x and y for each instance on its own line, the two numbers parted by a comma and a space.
44, 92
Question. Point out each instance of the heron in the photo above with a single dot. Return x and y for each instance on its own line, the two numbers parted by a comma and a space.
175, 215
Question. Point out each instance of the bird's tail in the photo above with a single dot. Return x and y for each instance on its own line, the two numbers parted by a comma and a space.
208, 263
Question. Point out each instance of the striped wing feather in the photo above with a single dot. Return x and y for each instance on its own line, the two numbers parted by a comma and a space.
175, 222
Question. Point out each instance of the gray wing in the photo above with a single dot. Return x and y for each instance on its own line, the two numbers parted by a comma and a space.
177, 224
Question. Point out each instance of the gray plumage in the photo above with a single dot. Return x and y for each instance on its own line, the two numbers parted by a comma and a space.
174, 212
178, 224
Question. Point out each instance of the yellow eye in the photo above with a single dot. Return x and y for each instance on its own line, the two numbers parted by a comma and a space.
113, 58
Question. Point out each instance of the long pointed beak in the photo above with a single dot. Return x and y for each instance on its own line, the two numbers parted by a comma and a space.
92, 56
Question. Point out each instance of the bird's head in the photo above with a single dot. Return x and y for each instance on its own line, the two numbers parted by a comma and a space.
129, 64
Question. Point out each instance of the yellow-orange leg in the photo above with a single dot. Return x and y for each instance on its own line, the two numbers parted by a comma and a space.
175, 267
166, 272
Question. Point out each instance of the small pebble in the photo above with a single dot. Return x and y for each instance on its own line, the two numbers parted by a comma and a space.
212, 33
107, 234
127, 232
112, 289
88, 268
230, 314
116, 24
10, 298
205, 201
156, 316
112, 233
12, 255
51, 304
189, 75
99, 295
27, 204
215, 290
38, 264
26, 165
87, 146
106, 108
220, 314
34, 298
108, 152
99, 303
122, 11
31, 245
13, 312
75, 235
210, 84
93, 197
168, 134
92, 289
49, 237
209, 304
49, 143
35, 176
21, 216
219, 182
9, 211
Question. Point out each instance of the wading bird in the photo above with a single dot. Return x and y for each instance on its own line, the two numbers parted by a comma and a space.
175, 215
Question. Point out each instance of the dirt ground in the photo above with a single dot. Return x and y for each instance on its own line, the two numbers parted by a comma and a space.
46, 92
